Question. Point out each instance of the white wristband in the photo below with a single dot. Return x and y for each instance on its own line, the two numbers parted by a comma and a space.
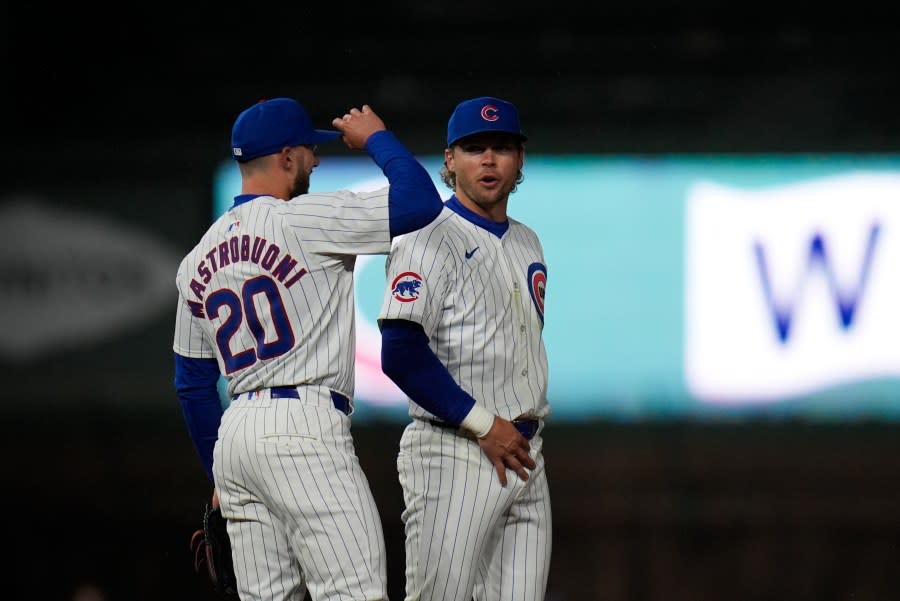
478, 421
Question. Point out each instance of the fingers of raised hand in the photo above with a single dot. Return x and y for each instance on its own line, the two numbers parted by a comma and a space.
337, 121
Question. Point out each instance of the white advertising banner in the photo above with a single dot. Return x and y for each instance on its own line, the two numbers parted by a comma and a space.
791, 289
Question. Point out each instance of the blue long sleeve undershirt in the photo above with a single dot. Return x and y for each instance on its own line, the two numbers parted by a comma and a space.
195, 385
413, 199
407, 359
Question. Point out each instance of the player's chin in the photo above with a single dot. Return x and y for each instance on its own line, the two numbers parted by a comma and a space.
494, 193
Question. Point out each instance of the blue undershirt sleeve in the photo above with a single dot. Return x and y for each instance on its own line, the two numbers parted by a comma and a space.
407, 359
413, 199
195, 385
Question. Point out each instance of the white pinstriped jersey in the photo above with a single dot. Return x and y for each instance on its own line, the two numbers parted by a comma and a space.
268, 290
480, 300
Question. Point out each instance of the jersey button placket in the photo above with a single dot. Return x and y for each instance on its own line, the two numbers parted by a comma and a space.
519, 348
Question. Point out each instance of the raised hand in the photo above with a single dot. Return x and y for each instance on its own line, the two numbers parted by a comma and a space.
357, 125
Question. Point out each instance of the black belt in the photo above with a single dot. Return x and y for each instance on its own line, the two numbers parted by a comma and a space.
341, 403
526, 427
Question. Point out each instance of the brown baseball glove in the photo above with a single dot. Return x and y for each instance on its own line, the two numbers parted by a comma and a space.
211, 546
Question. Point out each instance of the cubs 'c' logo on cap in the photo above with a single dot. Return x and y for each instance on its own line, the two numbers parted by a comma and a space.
405, 286
537, 285
489, 112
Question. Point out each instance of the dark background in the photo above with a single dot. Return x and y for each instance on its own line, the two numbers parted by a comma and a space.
126, 111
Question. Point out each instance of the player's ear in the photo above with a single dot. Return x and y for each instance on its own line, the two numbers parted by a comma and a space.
448, 157
284, 158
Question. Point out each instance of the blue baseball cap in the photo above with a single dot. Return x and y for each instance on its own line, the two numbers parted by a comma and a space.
270, 125
484, 114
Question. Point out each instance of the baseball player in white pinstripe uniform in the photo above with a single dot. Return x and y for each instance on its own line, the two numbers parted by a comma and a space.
266, 298
461, 329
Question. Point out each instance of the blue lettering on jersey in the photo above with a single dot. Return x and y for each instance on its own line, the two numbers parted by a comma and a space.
239, 248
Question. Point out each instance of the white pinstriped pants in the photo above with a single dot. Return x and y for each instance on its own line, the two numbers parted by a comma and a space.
299, 509
466, 535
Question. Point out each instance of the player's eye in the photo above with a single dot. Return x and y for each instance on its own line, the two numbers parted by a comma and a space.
312, 148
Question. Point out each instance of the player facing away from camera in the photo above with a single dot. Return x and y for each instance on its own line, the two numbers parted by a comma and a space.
266, 298
461, 324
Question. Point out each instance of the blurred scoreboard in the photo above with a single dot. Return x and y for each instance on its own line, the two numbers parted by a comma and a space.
701, 287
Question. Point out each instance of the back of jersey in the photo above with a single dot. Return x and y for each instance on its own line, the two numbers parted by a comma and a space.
268, 290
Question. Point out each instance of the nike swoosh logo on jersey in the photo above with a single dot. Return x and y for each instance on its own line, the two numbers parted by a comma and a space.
469, 253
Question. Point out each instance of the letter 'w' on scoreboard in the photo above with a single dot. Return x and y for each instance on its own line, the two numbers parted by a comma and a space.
791, 289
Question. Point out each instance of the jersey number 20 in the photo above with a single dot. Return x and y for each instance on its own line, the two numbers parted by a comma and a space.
243, 308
